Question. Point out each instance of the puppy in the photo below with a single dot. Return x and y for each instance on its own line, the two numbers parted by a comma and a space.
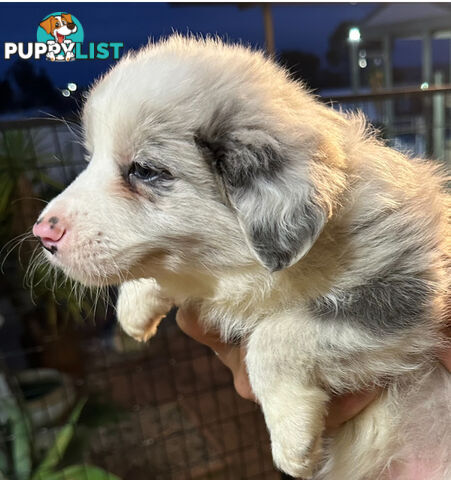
215, 180
59, 26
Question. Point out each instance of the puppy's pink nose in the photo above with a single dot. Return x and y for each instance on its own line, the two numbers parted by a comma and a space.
49, 231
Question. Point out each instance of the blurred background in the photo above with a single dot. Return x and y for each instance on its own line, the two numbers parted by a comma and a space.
78, 400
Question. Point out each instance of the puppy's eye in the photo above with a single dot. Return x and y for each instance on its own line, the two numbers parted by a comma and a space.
146, 173
57, 25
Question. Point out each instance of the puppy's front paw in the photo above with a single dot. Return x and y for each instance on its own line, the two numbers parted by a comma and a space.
141, 331
295, 452
140, 308
295, 419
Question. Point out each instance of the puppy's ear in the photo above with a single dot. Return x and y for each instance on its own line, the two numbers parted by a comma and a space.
48, 24
271, 194
67, 17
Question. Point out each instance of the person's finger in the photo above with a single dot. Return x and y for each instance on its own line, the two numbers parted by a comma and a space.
234, 359
344, 407
231, 356
187, 320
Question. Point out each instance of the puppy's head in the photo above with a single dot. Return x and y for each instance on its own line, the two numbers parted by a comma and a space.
201, 158
59, 25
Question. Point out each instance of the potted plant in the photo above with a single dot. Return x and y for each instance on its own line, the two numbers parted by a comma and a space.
19, 459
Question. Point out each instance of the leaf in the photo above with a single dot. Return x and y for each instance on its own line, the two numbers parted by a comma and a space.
56, 452
21, 439
6, 188
3, 462
79, 472
22, 456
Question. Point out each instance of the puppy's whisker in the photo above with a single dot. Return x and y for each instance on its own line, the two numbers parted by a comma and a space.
17, 200
34, 264
12, 244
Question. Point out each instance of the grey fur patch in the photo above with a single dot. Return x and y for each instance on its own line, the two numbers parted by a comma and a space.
381, 305
253, 173
276, 245
239, 164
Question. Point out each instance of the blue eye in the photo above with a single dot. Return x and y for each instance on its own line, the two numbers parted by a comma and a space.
147, 173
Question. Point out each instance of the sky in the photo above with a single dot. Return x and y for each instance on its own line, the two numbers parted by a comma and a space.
303, 27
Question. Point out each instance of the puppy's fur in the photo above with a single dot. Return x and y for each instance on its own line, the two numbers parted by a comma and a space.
215, 180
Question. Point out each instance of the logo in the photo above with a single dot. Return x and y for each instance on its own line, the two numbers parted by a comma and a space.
61, 32
60, 37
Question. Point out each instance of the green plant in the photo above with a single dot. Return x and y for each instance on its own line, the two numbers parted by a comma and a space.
20, 173
20, 463
22, 181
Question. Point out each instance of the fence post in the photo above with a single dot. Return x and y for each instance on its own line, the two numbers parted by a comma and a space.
388, 84
438, 120
355, 74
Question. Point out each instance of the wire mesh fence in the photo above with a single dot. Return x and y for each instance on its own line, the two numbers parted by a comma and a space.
163, 410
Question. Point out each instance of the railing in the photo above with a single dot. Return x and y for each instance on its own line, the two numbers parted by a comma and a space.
412, 119
389, 94
47, 147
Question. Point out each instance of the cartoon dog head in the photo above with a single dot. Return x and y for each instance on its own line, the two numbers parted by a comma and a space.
59, 26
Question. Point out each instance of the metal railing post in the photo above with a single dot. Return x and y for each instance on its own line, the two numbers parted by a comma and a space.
438, 120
